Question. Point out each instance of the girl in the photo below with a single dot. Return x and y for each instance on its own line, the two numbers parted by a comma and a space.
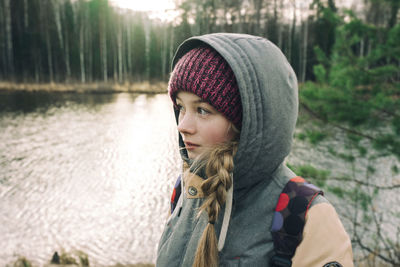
235, 101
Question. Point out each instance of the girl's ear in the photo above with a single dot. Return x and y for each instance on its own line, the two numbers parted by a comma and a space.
233, 132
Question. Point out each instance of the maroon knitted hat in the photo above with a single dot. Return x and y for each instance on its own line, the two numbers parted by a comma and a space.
204, 72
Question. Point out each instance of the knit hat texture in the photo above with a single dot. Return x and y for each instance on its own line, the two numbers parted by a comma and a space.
204, 72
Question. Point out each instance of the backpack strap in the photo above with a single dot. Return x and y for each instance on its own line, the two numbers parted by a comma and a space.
176, 193
289, 219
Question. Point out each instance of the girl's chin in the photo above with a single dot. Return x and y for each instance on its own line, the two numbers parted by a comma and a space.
193, 155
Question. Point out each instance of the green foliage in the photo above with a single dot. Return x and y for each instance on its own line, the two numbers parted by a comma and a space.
367, 219
333, 105
346, 157
320, 73
313, 136
357, 95
389, 143
338, 191
22, 262
332, 151
371, 169
395, 169
358, 85
319, 177
66, 258
361, 197
301, 136
326, 23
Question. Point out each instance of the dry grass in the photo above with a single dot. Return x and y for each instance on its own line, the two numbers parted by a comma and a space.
371, 261
117, 265
143, 87
72, 259
135, 265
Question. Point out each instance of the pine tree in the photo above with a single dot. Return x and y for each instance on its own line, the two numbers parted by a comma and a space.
354, 117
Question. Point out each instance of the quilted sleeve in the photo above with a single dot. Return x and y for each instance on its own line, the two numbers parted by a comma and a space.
325, 241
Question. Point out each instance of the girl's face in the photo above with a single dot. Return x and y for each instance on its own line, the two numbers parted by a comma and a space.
200, 124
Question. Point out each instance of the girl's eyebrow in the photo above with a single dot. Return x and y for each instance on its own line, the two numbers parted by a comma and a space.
195, 101
200, 101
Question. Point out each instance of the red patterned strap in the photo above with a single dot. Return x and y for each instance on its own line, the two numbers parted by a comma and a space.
289, 218
176, 193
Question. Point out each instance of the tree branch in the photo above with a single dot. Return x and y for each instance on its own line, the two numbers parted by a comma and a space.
309, 110
377, 254
360, 182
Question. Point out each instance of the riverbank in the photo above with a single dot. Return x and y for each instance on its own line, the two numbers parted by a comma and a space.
79, 259
98, 87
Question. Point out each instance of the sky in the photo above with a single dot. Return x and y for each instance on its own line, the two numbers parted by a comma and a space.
161, 9
165, 9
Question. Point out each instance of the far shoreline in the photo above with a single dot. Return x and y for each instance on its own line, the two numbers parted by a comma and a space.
93, 87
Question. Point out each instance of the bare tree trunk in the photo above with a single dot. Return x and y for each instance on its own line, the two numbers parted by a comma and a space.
171, 46
369, 51
3, 54
279, 26
305, 43
67, 60
66, 46
361, 47
258, 8
89, 50
129, 49
26, 18
37, 55
115, 64
37, 58
45, 22
119, 43
198, 19
226, 23
212, 22
398, 73
103, 39
147, 48
124, 54
9, 41
49, 56
37, 70
244, 18
292, 34
56, 8
395, 5
164, 53
82, 52
67, 63
239, 13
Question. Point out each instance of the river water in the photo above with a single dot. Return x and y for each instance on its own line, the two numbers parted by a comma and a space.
85, 172
91, 172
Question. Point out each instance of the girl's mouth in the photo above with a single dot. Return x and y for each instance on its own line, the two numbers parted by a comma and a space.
190, 146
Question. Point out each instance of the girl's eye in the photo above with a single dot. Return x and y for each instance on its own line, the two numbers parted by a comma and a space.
180, 108
202, 111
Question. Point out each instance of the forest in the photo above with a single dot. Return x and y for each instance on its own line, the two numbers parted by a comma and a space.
90, 40
347, 61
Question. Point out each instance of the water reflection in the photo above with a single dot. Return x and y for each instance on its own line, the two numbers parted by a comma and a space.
85, 172
26, 102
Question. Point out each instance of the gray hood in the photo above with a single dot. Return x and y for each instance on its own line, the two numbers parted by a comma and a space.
268, 89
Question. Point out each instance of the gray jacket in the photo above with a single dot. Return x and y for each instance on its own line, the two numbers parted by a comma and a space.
268, 89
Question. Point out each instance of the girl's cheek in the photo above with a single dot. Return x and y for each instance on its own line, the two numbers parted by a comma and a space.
217, 135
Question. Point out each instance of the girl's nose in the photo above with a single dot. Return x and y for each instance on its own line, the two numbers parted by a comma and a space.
186, 124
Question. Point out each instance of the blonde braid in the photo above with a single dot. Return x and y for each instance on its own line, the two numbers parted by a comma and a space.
219, 166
